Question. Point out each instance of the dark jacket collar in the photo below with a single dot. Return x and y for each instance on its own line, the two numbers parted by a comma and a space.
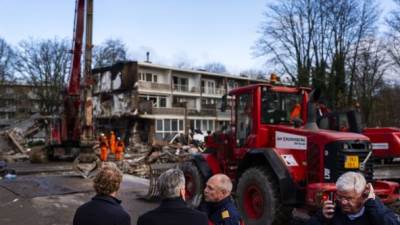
173, 203
217, 205
107, 198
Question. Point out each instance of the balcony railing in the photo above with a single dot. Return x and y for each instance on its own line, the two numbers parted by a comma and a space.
11, 108
180, 88
213, 91
227, 113
208, 106
153, 86
202, 112
169, 111
185, 88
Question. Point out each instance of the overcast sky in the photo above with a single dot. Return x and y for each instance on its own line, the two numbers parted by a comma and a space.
198, 32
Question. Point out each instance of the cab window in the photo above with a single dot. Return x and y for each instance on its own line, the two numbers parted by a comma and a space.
279, 108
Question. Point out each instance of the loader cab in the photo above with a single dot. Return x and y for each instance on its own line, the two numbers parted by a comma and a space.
257, 107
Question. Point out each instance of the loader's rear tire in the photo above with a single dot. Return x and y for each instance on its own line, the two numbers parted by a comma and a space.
259, 199
194, 183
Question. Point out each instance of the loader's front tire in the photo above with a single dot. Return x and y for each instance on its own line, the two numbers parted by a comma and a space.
194, 183
259, 198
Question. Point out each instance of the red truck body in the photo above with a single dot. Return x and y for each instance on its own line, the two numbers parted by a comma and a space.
277, 164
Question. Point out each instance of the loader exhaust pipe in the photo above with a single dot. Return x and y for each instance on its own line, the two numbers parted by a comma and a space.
311, 110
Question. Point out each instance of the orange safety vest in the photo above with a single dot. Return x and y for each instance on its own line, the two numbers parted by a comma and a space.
120, 148
103, 148
113, 141
295, 112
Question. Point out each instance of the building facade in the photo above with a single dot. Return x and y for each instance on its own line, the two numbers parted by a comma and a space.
147, 102
17, 102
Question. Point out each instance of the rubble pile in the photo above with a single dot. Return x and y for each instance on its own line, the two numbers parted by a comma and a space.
14, 139
11, 149
139, 158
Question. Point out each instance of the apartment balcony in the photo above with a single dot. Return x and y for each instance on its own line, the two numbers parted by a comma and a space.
11, 108
153, 86
185, 89
202, 112
168, 111
213, 91
209, 106
226, 114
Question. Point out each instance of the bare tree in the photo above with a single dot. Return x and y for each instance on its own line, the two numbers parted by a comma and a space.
254, 73
363, 32
45, 64
7, 60
386, 110
313, 41
286, 37
215, 67
393, 22
183, 64
109, 52
371, 65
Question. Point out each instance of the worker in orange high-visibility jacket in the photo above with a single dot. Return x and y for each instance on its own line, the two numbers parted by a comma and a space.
119, 150
296, 111
103, 147
113, 142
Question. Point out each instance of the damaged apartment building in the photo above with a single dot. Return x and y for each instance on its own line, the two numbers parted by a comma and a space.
144, 102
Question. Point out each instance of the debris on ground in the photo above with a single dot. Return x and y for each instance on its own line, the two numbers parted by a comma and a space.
16, 146
15, 141
140, 157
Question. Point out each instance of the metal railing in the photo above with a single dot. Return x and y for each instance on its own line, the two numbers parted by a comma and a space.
153, 86
169, 111
180, 88
213, 91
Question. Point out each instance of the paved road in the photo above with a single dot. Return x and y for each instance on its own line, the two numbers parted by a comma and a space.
53, 199
49, 194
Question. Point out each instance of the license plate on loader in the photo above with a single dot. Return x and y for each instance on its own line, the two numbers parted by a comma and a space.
351, 162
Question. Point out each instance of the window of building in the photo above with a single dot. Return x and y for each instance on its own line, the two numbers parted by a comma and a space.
166, 129
190, 102
203, 125
148, 77
232, 84
158, 101
208, 86
208, 101
180, 84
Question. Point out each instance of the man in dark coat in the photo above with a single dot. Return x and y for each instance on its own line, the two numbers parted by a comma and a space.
218, 203
356, 204
173, 209
104, 208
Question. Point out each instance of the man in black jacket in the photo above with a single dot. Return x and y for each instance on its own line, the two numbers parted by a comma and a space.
355, 204
173, 209
104, 208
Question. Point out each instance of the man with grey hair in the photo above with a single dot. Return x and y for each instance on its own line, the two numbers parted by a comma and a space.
173, 209
218, 203
355, 204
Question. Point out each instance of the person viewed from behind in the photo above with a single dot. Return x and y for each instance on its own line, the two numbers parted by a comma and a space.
173, 209
103, 147
104, 208
355, 204
113, 142
119, 149
218, 203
